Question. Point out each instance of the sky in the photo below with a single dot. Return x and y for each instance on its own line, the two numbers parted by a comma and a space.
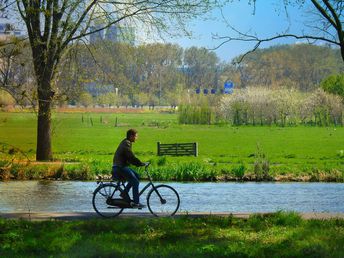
269, 19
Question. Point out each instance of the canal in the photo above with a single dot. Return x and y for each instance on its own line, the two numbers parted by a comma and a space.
76, 196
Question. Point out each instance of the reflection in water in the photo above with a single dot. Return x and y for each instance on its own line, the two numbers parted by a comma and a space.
43, 196
67, 196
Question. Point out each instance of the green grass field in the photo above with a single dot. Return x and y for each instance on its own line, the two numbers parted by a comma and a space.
224, 151
276, 235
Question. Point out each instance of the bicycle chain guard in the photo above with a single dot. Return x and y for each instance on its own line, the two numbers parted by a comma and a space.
118, 202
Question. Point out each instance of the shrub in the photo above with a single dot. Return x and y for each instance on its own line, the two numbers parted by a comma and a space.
261, 165
6, 99
334, 84
193, 171
194, 114
161, 161
79, 172
239, 171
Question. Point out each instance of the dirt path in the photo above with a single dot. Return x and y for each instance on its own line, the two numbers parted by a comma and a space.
91, 215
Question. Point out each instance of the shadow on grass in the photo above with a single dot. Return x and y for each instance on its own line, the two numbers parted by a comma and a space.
274, 235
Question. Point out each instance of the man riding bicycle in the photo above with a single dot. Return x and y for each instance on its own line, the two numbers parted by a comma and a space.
123, 157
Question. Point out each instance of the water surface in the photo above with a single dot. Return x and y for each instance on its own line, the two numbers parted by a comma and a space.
69, 196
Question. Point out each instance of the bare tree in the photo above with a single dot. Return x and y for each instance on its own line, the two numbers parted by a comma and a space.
53, 25
328, 27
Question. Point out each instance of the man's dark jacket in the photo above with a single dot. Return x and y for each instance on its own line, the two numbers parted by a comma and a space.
125, 156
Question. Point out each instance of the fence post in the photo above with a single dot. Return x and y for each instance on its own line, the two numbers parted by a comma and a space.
196, 149
158, 148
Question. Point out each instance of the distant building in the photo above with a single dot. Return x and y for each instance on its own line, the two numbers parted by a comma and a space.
115, 33
111, 34
8, 29
96, 36
96, 89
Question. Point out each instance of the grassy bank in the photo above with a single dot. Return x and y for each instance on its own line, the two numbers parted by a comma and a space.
183, 171
83, 145
277, 235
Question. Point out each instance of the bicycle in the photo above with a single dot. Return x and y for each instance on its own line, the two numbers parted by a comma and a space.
162, 200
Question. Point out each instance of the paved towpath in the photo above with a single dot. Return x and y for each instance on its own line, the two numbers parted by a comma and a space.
91, 215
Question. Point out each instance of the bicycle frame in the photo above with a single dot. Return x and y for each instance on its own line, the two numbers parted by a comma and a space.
149, 184
119, 183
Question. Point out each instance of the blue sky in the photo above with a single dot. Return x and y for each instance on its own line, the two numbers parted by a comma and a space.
270, 18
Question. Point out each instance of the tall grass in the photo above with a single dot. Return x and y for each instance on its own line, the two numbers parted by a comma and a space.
194, 114
193, 171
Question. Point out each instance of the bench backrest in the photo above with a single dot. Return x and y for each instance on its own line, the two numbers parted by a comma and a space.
178, 149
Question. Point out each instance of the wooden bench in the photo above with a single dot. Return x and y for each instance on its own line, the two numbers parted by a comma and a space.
178, 149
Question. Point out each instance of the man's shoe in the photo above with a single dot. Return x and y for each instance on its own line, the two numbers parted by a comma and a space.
137, 205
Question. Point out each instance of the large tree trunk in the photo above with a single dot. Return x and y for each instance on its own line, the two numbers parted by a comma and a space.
43, 150
45, 95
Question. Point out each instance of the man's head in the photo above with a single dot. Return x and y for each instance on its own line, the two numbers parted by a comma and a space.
132, 135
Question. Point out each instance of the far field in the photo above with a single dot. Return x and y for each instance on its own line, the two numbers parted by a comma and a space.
225, 152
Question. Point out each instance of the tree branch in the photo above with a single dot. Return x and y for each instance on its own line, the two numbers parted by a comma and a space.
323, 12
333, 21
251, 38
7, 5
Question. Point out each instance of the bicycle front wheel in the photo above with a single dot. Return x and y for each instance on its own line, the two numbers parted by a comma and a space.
163, 200
101, 197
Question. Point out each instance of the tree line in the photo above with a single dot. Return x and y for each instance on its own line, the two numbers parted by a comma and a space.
153, 74
298, 66
119, 74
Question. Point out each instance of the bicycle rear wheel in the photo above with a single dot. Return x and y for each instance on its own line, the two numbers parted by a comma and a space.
163, 201
100, 197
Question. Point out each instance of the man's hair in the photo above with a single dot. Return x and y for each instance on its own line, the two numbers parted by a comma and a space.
131, 132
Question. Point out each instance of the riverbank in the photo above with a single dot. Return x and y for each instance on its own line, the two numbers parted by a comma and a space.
268, 235
180, 172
